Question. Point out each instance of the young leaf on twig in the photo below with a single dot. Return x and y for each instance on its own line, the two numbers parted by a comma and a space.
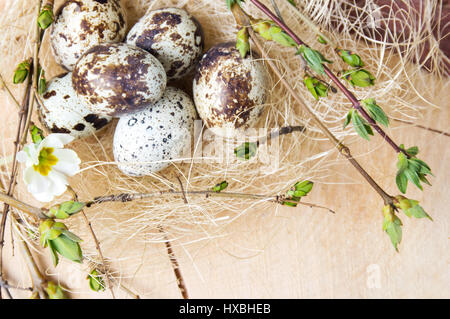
359, 77
246, 150
313, 58
375, 111
316, 87
299, 190
392, 225
350, 58
96, 282
411, 169
220, 187
60, 241
359, 124
21, 72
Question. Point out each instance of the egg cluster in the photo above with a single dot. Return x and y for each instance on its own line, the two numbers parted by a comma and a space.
114, 74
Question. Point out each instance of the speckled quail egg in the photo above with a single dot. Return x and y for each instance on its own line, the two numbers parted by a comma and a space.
81, 24
114, 79
173, 36
63, 112
147, 141
229, 91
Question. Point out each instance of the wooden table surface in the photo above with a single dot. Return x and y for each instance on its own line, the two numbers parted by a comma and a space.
306, 253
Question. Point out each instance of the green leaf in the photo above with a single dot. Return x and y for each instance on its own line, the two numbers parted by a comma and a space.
361, 127
37, 135
359, 77
394, 231
21, 72
413, 151
95, 281
303, 188
315, 86
348, 118
376, 112
242, 42
292, 2
281, 37
402, 163
313, 58
418, 212
220, 187
68, 248
290, 204
71, 207
321, 40
54, 291
71, 236
45, 18
423, 179
402, 182
246, 150
350, 58
413, 177
55, 258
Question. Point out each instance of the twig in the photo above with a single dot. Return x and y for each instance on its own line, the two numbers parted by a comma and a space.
423, 127
128, 197
355, 102
176, 268
37, 279
282, 131
12, 180
35, 79
182, 190
97, 243
16, 103
243, 20
32, 211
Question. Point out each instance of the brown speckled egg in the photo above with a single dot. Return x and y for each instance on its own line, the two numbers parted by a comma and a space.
173, 36
148, 141
230, 91
63, 112
114, 79
79, 25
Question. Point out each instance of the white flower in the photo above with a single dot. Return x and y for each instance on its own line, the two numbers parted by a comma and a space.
47, 166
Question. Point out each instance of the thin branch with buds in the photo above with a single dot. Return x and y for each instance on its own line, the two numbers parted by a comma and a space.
97, 243
243, 20
352, 98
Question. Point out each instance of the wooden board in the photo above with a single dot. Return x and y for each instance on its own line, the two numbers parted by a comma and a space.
306, 253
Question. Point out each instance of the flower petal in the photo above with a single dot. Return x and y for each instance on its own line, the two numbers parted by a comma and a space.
59, 183
68, 161
22, 157
56, 140
36, 183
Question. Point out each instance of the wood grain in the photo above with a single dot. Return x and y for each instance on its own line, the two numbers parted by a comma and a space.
302, 253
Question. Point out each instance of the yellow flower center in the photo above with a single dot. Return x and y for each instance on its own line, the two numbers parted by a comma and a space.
46, 161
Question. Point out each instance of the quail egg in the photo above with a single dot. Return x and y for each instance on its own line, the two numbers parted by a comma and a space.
147, 141
79, 25
114, 79
63, 112
173, 36
229, 91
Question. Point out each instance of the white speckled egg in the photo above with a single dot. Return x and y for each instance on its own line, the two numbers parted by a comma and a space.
173, 36
81, 24
114, 79
229, 91
147, 141
63, 112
